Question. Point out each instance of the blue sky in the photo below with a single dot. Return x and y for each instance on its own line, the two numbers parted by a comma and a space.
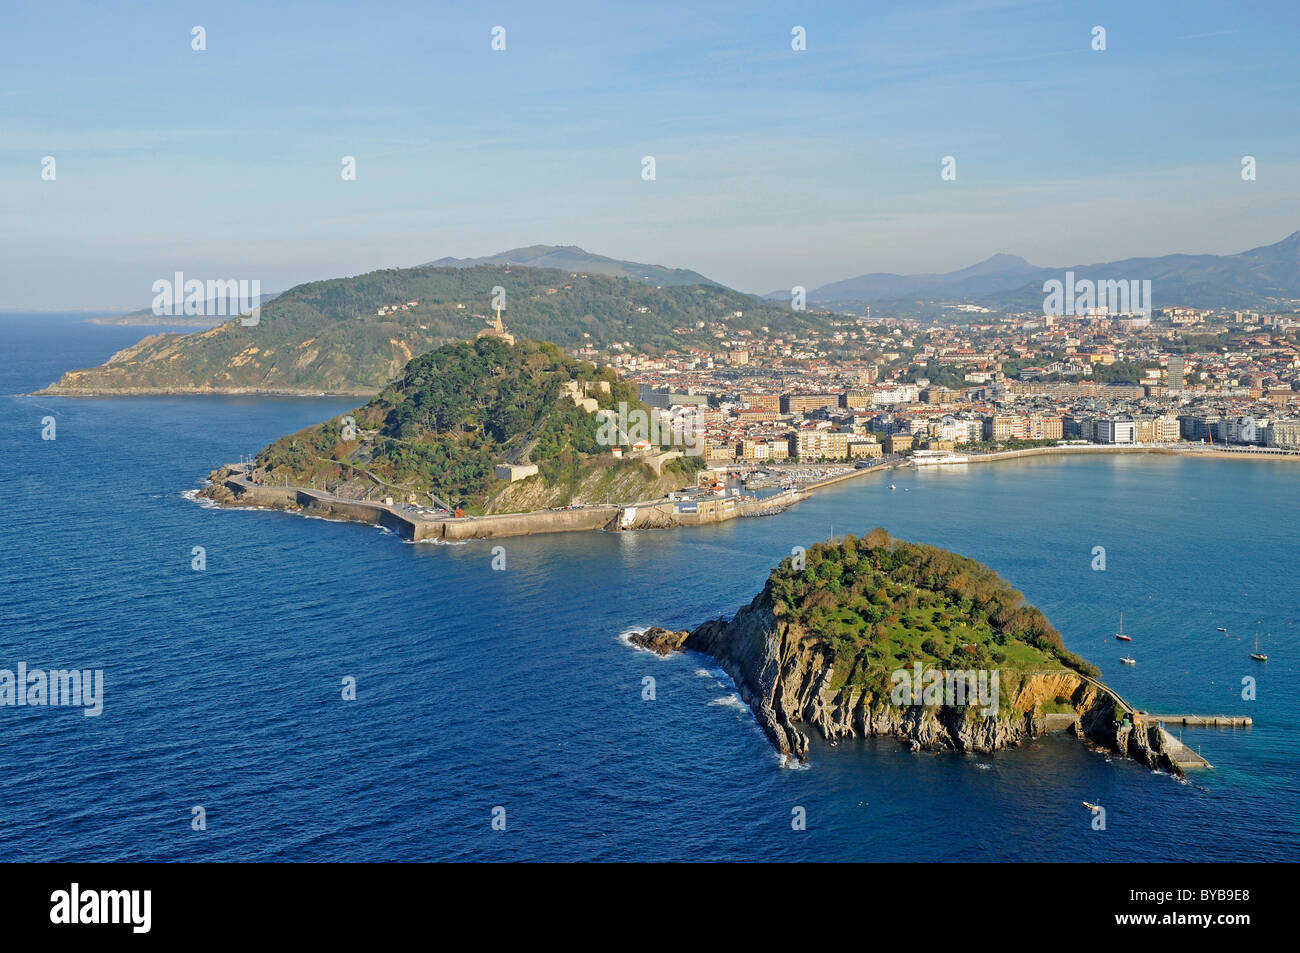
774, 168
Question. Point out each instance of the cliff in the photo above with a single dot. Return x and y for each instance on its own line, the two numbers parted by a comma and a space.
787, 673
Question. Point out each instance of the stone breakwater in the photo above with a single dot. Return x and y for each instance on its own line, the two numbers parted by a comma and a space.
786, 678
230, 486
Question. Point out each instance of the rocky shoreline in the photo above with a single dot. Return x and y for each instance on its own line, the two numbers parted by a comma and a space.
785, 678
57, 390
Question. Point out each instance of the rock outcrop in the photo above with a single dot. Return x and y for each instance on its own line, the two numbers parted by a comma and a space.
660, 641
786, 677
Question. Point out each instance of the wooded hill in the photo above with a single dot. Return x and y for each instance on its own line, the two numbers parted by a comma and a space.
327, 336
456, 412
880, 604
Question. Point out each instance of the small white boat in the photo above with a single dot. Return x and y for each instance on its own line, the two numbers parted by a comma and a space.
1129, 660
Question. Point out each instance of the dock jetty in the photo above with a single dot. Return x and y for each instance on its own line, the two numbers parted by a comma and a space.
1206, 721
1179, 752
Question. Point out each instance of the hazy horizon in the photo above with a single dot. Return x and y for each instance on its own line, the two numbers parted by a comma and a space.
774, 167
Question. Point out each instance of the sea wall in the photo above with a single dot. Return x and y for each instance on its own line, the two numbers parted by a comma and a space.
522, 524
320, 504
1088, 450
241, 492
667, 514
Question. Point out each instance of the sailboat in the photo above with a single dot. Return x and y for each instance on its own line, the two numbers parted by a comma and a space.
1257, 655
1120, 634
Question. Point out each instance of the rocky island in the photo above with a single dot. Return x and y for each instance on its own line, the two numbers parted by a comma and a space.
878, 636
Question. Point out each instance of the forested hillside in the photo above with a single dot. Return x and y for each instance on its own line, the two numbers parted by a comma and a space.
327, 336
452, 415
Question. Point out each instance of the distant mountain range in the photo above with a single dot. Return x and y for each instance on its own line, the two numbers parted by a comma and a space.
1264, 278
1267, 277
992, 274
574, 259
353, 335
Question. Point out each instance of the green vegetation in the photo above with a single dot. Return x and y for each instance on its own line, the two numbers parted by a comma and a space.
327, 335
1013, 366
951, 376
452, 415
879, 604
1057, 706
1121, 372
1188, 343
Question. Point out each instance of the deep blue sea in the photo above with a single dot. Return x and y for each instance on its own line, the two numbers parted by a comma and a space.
479, 689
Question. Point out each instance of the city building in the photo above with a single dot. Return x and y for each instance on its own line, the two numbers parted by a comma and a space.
1116, 430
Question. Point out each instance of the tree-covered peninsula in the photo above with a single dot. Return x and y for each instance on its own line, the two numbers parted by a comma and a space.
437, 434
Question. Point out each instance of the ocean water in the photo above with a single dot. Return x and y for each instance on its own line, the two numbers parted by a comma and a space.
480, 689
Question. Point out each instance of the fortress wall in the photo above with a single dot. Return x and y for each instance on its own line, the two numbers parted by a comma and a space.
360, 511
522, 524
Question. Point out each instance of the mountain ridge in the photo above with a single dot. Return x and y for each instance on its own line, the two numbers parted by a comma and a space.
574, 258
353, 335
1263, 276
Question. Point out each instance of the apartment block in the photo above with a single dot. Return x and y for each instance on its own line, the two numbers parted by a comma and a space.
803, 403
820, 444
1284, 434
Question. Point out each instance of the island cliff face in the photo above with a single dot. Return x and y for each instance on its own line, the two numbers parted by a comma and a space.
787, 676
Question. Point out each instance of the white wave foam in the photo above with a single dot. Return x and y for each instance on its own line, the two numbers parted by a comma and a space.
626, 639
